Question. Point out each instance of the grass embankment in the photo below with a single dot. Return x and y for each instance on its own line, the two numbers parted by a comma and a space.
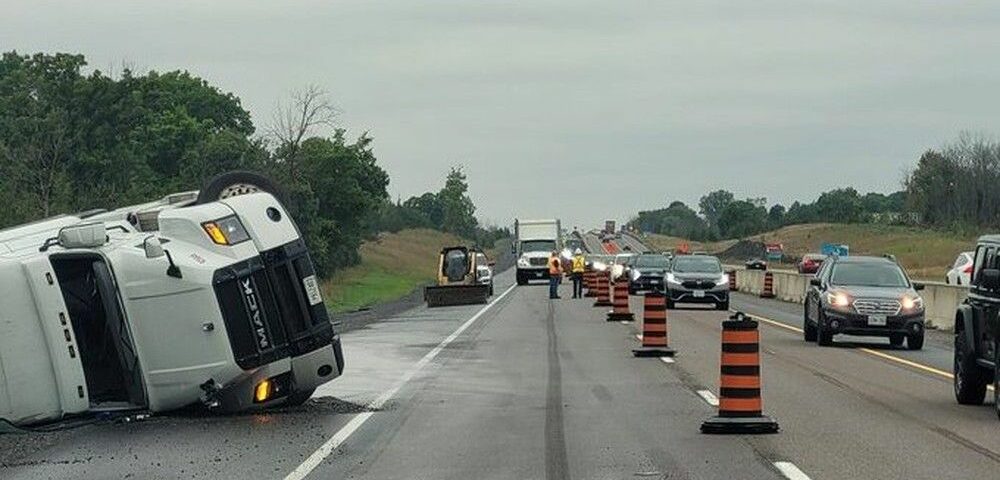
391, 267
926, 254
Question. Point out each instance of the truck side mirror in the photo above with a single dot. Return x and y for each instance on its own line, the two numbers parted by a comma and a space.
815, 282
989, 278
918, 286
153, 247
84, 235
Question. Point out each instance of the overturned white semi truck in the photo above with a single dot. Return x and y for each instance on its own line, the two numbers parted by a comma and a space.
201, 297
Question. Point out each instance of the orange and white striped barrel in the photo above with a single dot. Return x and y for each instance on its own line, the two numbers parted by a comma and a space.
603, 291
619, 304
654, 327
768, 291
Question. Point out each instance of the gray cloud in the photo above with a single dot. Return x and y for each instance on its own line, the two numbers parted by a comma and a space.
581, 109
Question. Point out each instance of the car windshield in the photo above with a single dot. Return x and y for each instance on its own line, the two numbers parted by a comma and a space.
868, 275
652, 261
538, 246
697, 264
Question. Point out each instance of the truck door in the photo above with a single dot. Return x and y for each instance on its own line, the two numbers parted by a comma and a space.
985, 303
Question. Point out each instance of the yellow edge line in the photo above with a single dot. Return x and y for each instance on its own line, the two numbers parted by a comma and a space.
886, 356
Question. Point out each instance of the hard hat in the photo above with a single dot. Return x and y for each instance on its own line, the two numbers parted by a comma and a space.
577, 251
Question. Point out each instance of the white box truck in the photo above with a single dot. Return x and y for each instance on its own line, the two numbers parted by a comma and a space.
203, 297
535, 240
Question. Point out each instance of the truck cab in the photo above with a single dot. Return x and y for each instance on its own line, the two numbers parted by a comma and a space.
977, 328
180, 301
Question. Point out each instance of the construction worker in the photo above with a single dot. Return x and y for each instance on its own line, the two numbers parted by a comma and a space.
579, 265
555, 274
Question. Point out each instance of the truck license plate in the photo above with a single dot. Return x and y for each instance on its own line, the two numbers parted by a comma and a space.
699, 294
312, 290
876, 320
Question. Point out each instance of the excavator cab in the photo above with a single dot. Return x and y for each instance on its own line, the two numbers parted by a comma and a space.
457, 282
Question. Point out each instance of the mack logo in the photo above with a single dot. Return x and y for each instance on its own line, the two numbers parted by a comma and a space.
250, 297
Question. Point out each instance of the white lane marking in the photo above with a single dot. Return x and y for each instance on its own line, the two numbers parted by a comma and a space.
624, 322
790, 471
667, 359
709, 397
342, 435
638, 337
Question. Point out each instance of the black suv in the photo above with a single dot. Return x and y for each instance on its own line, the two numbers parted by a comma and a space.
976, 328
869, 296
647, 272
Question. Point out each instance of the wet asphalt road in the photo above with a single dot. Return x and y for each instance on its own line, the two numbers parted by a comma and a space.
544, 389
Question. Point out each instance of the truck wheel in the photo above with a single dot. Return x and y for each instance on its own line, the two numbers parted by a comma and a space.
915, 342
970, 379
896, 339
231, 184
299, 397
722, 305
824, 338
808, 329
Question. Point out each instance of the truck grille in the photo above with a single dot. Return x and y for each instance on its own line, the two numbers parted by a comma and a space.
876, 306
538, 262
265, 307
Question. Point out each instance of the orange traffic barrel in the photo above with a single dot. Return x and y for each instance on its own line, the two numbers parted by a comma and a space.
603, 291
619, 305
768, 291
740, 402
654, 327
590, 281
732, 280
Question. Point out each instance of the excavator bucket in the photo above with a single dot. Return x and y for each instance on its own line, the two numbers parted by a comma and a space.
442, 296
457, 282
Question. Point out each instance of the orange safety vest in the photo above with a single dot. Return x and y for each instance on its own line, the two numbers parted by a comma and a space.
555, 267
579, 264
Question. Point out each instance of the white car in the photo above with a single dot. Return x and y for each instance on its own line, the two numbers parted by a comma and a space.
484, 270
961, 270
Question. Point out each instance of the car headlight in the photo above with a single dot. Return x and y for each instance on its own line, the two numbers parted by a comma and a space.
838, 299
617, 270
635, 275
912, 303
523, 262
600, 266
670, 278
723, 280
226, 231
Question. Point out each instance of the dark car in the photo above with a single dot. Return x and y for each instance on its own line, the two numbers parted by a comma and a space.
977, 328
646, 273
869, 296
756, 264
697, 279
811, 262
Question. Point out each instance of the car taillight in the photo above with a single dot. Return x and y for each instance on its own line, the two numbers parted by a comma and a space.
967, 269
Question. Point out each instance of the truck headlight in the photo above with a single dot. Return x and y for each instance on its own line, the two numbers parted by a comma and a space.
635, 275
838, 300
912, 303
226, 231
523, 262
600, 266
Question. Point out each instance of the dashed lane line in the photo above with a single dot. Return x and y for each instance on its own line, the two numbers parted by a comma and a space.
790, 471
708, 397
667, 359
324, 451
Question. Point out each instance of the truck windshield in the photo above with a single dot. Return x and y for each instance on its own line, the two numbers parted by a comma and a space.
869, 275
697, 264
538, 245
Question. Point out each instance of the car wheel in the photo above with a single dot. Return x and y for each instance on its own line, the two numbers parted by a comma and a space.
915, 341
722, 305
808, 329
969, 379
824, 337
896, 339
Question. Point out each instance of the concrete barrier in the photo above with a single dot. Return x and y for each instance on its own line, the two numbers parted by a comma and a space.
940, 300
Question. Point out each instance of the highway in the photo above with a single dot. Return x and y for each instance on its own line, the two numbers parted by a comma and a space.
525, 387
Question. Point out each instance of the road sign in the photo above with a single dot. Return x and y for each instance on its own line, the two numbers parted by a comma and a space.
840, 250
774, 251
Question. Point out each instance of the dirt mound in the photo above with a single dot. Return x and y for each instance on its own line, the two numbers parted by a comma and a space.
744, 250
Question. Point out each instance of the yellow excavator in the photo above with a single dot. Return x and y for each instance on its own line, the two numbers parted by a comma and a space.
457, 279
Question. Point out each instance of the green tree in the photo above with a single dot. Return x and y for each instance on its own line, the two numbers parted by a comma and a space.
742, 218
458, 211
713, 204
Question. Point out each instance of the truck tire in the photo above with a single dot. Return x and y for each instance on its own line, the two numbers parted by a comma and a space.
970, 379
299, 397
239, 182
808, 329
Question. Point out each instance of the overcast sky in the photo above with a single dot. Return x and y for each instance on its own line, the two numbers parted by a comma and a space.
581, 109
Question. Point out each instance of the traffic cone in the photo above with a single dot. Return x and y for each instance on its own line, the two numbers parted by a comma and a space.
768, 291
654, 327
603, 291
619, 307
740, 403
